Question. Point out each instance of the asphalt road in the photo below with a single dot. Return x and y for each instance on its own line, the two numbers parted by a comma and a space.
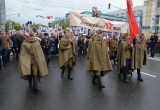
80, 94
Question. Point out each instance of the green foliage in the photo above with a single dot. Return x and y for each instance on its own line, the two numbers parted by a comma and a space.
15, 25
35, 25
7, 26
65, 24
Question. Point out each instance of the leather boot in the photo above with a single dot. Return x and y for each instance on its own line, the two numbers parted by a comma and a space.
119, 75
94, 79
69, 73
48, 60
100, 82
62, 73
139, 75
125, 77
29, 78
35, 84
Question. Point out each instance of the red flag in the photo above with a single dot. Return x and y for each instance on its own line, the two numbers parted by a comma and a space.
134, 29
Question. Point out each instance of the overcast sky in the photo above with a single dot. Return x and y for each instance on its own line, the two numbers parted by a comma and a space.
29, 9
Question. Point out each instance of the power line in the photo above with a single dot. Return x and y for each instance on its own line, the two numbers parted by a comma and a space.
59, 5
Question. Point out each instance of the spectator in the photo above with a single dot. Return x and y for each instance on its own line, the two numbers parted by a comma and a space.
148, 44
152, 44
158, 45
81, 46
7, 49
1, 49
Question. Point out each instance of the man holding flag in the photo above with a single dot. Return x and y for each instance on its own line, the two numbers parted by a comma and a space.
139, 50
131, 58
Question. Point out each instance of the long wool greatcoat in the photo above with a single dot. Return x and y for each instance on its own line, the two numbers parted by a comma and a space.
98, 57
65, 53
25, 59
140, 55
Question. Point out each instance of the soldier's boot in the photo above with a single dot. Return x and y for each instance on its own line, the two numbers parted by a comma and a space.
119, 75
62, 73
35, 84
139, 75
125, 77
94, 79
69, 73
48, 60
29, 78
101, 86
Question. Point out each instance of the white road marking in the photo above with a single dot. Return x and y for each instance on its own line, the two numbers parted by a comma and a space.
154, 59
148, 74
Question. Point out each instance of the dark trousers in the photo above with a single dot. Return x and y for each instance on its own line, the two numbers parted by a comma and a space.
81, 51
159, 50
148, 49
5, 56
152, 51
55, 49
0, 64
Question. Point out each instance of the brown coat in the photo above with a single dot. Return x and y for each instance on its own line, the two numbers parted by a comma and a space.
65, 53
7, 42
113, 47
121, 56
25, 59
98, 57
140, 56
89, 47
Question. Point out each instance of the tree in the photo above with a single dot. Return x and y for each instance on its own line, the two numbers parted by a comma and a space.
7, 26
65, 24
35, 25
14, 25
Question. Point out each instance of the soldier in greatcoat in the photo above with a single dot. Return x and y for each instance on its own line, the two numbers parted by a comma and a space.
99, 62
67, 53
32, 63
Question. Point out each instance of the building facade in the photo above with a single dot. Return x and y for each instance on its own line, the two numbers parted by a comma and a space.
151, 13
2, 14
138, 11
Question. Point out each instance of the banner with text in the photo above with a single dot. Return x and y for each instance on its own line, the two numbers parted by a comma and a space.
81, 20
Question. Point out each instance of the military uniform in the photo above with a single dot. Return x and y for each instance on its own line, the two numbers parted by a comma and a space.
32, 63
125, 59
99, 62
140, 56
67, 55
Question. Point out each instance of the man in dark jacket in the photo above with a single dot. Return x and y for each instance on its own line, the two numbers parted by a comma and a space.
14, 43
152, 44
46, 45
1, 49
19, 40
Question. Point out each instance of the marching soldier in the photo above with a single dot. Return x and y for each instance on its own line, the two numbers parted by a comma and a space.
140, 55
32, 63
99, 62
125, 58
67, 54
